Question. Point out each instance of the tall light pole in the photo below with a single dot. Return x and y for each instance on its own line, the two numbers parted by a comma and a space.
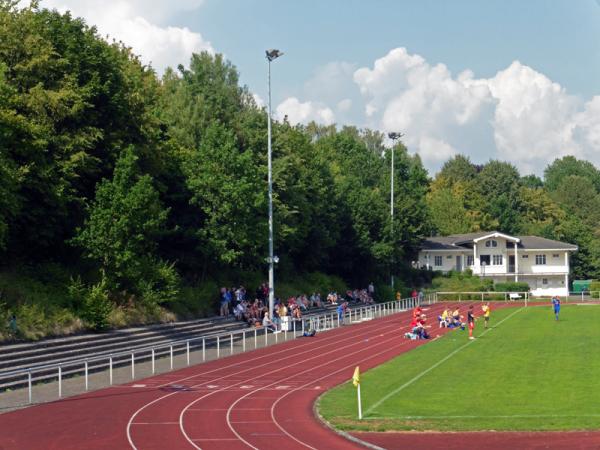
394, 136
272, 54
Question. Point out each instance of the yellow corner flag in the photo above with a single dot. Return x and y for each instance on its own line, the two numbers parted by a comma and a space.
356, 383
356, 377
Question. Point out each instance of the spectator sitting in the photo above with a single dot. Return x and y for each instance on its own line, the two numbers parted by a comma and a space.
283, 311
240, 310
444, 318
268, 323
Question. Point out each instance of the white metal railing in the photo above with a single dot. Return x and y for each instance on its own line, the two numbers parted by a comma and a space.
220, 345
478, 295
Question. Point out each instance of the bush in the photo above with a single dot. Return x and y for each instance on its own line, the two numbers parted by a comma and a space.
594, 286
97, 306
512, 286
461, 282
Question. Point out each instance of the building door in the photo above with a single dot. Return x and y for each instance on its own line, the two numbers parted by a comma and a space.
511, 263
459, 263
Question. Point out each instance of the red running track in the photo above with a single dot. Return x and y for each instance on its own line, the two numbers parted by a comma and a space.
260, 399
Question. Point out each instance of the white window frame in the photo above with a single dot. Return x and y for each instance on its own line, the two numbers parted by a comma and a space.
540, 260
470, 260
497, 260
438, 261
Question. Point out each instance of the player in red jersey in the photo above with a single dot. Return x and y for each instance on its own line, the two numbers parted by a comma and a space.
471, 321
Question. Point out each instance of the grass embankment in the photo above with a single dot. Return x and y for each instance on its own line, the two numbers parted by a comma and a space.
527, 373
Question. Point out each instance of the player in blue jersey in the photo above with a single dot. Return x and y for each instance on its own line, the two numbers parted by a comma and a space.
556, 306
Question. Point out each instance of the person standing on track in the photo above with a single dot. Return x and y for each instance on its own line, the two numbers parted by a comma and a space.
556, 306
471, 321
486, 314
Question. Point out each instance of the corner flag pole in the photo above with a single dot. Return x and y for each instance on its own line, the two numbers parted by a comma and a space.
356, 382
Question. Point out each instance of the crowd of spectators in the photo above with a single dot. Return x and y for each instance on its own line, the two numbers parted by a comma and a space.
254, 308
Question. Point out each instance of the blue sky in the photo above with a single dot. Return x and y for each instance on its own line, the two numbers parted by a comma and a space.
512, 80
558, 38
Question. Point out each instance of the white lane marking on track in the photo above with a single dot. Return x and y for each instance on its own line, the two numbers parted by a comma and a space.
214, 439
308, 370
156, 423
437, 364
351, 336
276, 422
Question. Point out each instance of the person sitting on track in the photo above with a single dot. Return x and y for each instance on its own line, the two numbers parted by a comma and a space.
444, 318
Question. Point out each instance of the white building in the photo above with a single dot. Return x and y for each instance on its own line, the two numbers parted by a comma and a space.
542, 263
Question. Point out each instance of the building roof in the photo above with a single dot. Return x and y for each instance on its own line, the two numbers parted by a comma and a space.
463, 241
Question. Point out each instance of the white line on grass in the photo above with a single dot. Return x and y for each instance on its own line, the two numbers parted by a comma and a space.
426, 371
511, 416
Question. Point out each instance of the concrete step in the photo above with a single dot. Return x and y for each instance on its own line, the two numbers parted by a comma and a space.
6, 349
115, 338
80, 351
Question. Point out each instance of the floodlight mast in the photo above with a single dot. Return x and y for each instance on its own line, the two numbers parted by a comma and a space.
394, 136
271, 55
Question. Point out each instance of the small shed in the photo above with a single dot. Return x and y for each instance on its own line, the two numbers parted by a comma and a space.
580, 286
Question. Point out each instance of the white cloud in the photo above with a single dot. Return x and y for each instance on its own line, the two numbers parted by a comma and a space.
141, 25
518, 115
402, 92
304, 112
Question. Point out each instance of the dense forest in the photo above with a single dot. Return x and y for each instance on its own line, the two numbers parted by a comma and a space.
124, 195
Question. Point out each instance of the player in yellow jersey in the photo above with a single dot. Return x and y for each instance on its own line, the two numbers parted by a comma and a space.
486, 314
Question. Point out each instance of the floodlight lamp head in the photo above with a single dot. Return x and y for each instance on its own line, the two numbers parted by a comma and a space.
273, 54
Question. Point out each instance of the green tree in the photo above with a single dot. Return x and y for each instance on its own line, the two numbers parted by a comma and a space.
567, 166
577, 196
125, 221
227, 190
458, 169
499, 184
71, 101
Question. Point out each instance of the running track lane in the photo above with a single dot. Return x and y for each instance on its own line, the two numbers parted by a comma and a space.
211, 406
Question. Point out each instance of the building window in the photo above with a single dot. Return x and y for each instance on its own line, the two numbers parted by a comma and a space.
484, 260
540, 260
525, 256
556, 255
491, 243
497, 260
437, 260
469, 260
544, 281
449, 257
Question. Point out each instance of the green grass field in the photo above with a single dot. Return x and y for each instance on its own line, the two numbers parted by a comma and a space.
528, 372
